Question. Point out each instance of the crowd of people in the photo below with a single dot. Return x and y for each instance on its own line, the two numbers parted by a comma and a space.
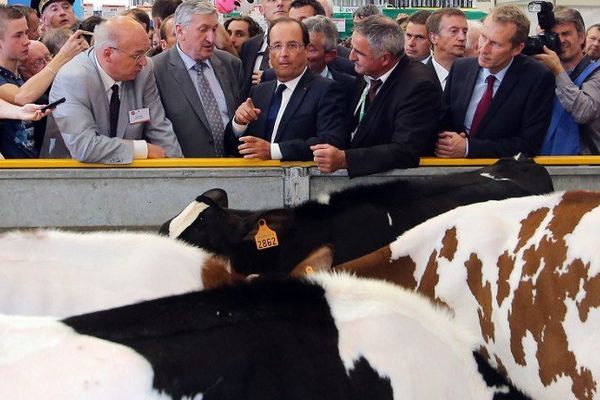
185, 85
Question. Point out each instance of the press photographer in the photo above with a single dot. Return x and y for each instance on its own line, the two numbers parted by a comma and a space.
575, 125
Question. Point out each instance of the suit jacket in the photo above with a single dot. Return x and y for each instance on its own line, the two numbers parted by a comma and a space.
248, 55
182, 103
313, 115
346, 81
400, 125
83, 120
344, 65
519, 114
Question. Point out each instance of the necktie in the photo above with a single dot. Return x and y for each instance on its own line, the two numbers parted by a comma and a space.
375, 83
113, 109
211, 109
484, 105
274, 110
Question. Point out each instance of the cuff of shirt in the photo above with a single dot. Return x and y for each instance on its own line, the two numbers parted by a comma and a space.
140, 149
276, 152
466, 147
238, 129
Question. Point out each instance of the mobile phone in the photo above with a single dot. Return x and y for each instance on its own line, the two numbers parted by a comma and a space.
53, 104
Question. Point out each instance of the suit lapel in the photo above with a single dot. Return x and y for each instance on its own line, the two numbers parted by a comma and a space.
103, 124
294, 102
184, 83
509, 82
469, 84
363, 128
224, 82
261, 97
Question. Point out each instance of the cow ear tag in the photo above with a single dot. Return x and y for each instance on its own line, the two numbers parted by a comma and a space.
265, 237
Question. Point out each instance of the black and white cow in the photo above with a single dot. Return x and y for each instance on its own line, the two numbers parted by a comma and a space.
355, 221
327, 337
55, 273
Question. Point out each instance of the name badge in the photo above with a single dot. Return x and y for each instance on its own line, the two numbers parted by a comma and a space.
139, 116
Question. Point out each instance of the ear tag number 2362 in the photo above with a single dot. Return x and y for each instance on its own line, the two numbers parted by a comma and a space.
265, 237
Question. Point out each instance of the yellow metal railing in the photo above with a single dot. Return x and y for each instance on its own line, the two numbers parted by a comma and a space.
244, 163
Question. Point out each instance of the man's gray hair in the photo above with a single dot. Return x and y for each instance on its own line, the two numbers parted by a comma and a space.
188, 8
321, 24
104, 36
383, 35
564, 15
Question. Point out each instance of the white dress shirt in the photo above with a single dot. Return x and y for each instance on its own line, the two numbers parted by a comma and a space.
441, 72
140, 147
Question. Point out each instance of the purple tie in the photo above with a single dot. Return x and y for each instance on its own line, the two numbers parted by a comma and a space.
484, 104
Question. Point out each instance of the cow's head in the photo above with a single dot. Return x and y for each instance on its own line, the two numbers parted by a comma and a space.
208, 223
524, 173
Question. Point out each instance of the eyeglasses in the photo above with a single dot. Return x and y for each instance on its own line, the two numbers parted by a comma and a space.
42, 61
133, 56
292, 47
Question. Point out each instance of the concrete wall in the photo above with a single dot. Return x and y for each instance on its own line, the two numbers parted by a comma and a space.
143, 198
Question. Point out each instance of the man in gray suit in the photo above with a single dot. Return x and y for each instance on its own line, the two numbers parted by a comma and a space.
200, 86
112, 112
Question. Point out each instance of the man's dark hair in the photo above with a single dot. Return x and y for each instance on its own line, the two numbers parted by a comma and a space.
564, 15
253, 27
316, 6
420, 17
366, 11
434, 20
8, 13
163, 8
305, 36
140, 16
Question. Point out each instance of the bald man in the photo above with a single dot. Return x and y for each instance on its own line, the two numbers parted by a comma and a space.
113, 113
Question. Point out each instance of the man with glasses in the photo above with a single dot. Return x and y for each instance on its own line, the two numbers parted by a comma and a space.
200, 86
112, 112
284, 117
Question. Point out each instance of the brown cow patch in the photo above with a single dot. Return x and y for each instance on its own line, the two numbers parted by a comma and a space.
483, 295
449, 244
539, 303
506, 264
529, 225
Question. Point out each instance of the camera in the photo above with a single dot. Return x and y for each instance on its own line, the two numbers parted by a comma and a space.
545, 16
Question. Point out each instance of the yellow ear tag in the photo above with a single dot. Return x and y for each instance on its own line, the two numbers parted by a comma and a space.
265, 237
309, 270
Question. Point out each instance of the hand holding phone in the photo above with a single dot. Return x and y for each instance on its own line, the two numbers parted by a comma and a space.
53, 104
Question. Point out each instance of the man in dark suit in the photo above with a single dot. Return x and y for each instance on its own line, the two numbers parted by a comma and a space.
321, 50
200, 86
394, 107
447, 29
499, 104
283, 118
255, 53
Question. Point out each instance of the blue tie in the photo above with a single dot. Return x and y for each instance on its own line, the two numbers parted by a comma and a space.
273, 111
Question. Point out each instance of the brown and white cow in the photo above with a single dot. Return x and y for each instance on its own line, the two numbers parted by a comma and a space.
522, 274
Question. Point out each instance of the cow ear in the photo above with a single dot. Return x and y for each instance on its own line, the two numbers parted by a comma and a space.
219, 196
320, 259
276, 220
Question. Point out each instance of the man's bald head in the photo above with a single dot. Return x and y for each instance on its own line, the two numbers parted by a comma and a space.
121, 46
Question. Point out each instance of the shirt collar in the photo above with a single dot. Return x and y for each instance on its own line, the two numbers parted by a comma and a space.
441, 72
326, 73
107, 81
188, 61
383, 77
291, 84
499, 75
